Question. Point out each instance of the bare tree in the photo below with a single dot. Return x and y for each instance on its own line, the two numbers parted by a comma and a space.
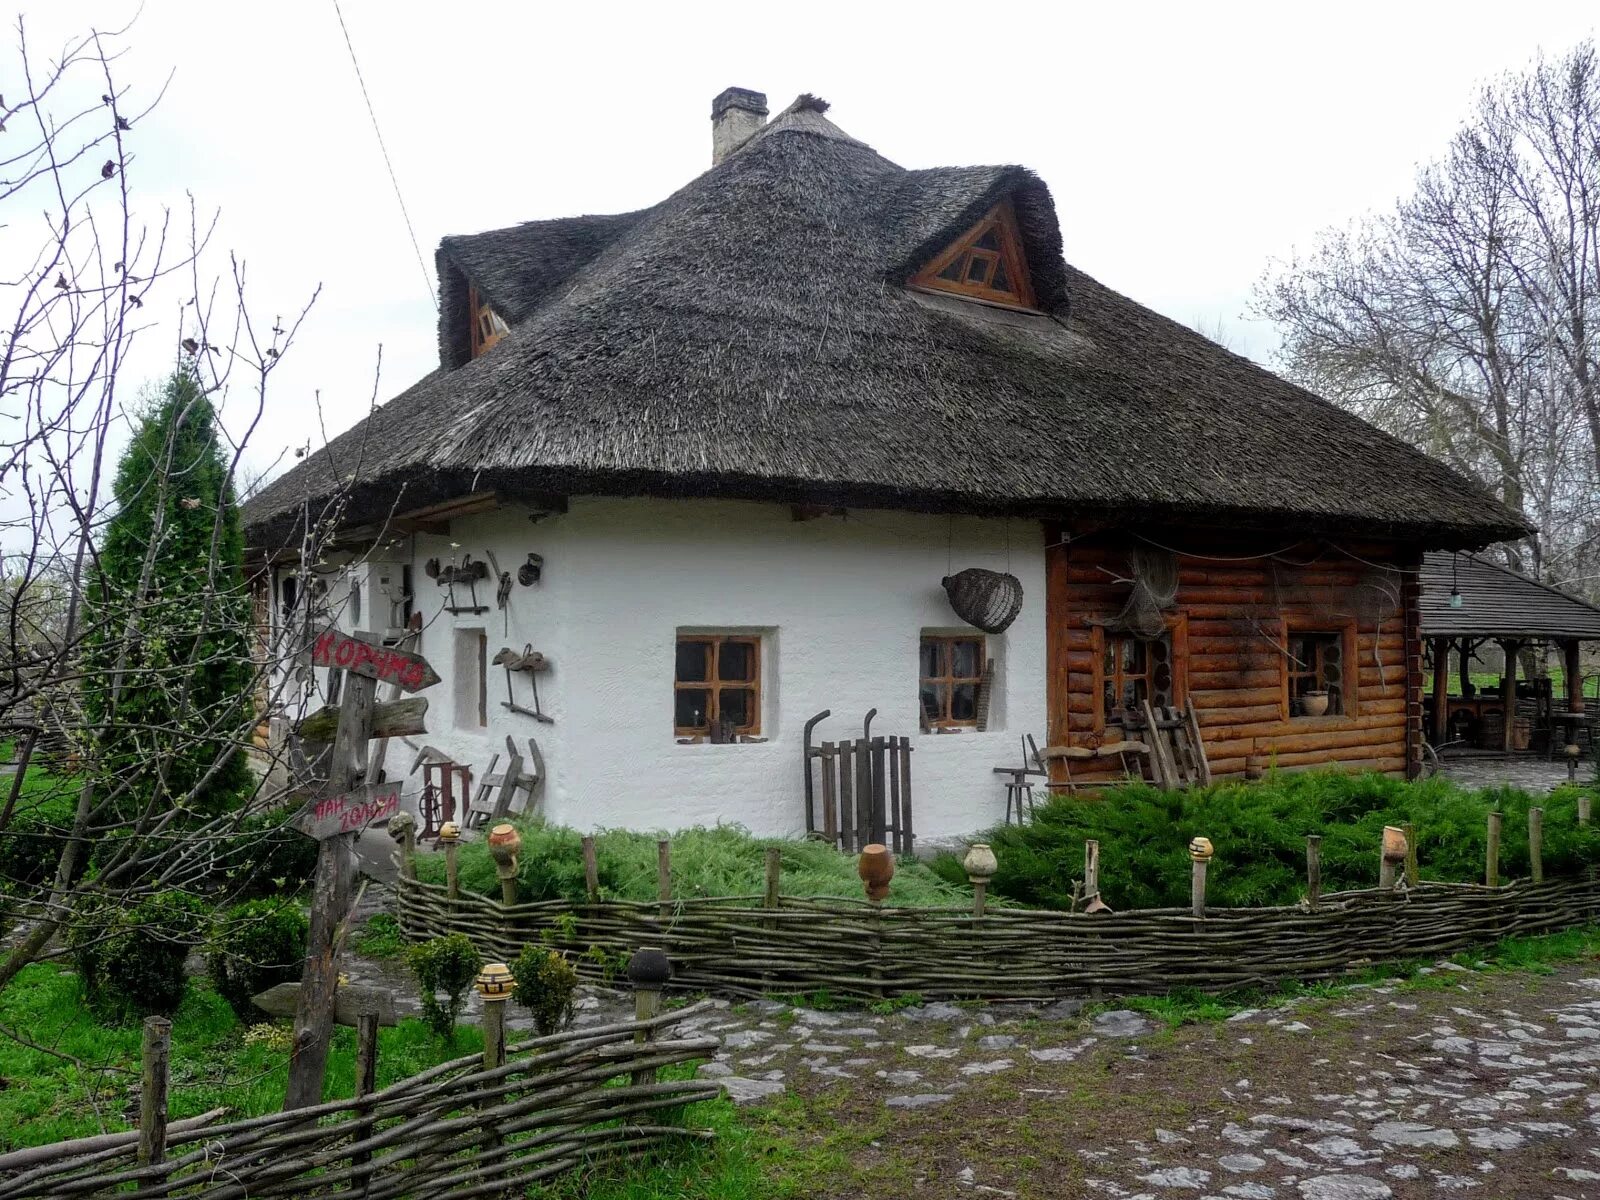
1465, 319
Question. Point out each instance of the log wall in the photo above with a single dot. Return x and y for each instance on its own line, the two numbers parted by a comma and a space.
1235, 605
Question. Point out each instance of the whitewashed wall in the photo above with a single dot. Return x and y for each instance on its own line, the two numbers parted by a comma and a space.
840, 603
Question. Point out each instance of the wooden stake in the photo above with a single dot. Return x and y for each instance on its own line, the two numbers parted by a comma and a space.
664, 875
980, 889
452, 870
1412, 876
155, 1052
508, 888
1313, 869
774, 877
646, 1005
1491, 866
408, 852
1091, 870
591, 872
1536, 844
494, 1034
366, 1084
1386, 872
1583, 808
1197, 888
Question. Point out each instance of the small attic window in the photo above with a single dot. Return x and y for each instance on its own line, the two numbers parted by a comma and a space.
487, 327
986, 263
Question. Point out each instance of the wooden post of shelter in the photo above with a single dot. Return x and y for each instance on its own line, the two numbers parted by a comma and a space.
1491, 865
1508, 691
1572, 664
1441, 690
335, 821
155, 1054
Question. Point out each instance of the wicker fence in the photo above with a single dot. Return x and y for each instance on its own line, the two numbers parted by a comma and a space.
754, 945
454, 1131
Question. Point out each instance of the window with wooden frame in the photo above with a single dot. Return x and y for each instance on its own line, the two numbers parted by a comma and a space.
1134, 670
1319, 661
953, 682
487, 327
985, 263
717, 686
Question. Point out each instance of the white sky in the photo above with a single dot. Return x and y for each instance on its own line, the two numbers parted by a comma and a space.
1186, 145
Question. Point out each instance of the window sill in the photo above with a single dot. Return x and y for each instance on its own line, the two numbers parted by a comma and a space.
962, 730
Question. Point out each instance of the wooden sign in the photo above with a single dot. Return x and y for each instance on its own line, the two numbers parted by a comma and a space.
350, 1001
348, 812
397, 718
363, 654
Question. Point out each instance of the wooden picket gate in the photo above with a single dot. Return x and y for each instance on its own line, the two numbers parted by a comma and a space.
865, 793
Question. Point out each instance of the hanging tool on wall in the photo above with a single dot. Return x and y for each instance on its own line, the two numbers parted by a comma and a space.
531, 661
469, 572
502, 591
530, 572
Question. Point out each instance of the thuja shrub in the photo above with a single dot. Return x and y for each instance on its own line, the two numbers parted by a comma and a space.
545, 986
257, 945
445, 965
1259, 831
130, 960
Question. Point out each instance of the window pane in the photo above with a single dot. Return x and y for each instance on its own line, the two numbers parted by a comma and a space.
1108, 700
956, 270
989, 240
932, 699
694, 661
978, 269
1132, 693
965, 658
689, 711
736, 662
736, 705
1133, 656
930, 658
964, 702
1002, 279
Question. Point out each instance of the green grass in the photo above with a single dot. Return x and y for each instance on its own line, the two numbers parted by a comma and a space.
215, 1061
723, 860
380, 937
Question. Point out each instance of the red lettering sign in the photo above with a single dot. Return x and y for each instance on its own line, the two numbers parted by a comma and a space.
360, 654
349, 812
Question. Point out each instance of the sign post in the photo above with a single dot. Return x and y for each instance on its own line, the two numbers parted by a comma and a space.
344, 809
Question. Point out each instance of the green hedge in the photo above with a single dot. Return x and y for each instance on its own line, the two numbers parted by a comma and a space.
1259, 831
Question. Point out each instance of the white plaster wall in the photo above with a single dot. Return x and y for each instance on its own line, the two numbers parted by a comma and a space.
840, 602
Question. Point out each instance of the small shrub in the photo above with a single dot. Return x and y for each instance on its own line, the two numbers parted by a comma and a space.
545, 985
261, 943
446, 964
131, 960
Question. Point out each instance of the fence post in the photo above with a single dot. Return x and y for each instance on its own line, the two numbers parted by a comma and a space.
1391, 855
1584, 806
1313, 869
505, 844
450, 835
1091, 874
1536, 844
155, 1052
1413, 876
1491, 864
1200, 853
664, 876
980, 865
403, 829
494, 985
774, 876
591, 871
366, 1084
648, 971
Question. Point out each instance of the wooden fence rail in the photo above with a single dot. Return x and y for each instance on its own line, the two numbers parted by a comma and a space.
749, 946
458, 1130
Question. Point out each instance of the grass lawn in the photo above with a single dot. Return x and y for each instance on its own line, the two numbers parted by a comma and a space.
216, 1061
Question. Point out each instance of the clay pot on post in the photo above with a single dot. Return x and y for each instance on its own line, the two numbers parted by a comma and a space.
876, 868
1314, 703
504, 845
980, 865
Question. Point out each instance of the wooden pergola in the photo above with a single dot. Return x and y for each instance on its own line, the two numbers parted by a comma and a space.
1468, 601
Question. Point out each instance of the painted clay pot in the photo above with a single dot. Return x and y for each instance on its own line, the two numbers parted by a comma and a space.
876, 868
1394, 844
980, 863
1314, 704
495, 981
1200, 849
504, 843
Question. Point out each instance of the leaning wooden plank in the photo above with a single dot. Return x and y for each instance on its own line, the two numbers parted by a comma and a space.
1199, 742
830, 800
1161, 764
896, 823
881, 816
906, 836
847, 812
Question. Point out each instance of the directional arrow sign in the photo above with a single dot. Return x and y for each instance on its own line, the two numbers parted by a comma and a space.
396, 718
363, 654
348, 812
350, 1001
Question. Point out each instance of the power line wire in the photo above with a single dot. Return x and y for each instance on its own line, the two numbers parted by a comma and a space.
427, 278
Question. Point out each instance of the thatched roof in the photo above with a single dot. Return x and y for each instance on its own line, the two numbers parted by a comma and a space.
750, 336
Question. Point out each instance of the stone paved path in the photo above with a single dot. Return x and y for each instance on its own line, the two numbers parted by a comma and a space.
1485, 1083
1530, 773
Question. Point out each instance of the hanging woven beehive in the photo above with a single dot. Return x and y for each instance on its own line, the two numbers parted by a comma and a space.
989, 600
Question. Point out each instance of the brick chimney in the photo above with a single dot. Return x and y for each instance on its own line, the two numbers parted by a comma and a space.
735, 115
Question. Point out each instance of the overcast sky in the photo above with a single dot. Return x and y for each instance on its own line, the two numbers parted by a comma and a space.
1186, 145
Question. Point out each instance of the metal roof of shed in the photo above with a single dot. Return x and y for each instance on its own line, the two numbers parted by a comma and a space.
1498, 602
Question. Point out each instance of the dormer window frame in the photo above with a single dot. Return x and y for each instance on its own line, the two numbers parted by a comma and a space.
968, 269
486, 327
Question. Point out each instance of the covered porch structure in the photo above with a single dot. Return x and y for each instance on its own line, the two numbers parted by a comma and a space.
1469, 603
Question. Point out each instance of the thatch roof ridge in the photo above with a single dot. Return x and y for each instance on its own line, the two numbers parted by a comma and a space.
749, 336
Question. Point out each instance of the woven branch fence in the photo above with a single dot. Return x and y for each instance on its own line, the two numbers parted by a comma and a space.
454, 1131
753, 945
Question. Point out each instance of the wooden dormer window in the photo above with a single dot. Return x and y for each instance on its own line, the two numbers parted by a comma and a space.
986, 263
487, 327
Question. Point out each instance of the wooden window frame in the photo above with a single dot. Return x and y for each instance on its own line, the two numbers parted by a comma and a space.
1344, 629
1003, 218
1177, 632
715, 685
477, 309
949, 679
